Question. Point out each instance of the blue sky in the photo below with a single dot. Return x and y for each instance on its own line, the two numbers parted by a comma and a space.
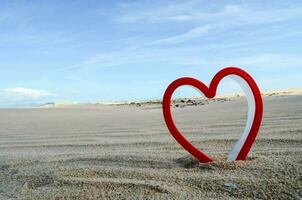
88, 51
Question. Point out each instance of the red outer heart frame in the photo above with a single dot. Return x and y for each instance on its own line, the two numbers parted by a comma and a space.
210, 92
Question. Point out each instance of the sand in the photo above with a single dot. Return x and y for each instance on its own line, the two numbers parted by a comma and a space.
126, 152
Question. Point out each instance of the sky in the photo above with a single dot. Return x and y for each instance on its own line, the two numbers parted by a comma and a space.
89, 51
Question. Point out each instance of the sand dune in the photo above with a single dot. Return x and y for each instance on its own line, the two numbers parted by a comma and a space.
192, 100
126, 152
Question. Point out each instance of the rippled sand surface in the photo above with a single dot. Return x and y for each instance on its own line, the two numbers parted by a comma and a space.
126, 152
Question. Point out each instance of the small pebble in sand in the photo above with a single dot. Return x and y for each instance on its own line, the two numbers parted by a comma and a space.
230, 186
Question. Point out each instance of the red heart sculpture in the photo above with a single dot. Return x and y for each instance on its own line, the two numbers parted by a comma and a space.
244, 144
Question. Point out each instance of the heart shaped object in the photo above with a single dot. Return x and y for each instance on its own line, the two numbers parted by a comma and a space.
254, 118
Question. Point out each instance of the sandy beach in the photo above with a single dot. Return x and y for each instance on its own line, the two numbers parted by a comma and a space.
126, 152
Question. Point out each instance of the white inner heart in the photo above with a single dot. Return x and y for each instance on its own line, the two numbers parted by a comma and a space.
250, 116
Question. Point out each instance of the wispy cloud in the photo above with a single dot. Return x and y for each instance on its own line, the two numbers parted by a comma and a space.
171, 56
204, 22
186, 58
194, 11
270, 61
151, 14
191, 34
36, 39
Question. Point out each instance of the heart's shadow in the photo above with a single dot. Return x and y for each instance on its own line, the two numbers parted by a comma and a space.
221, 163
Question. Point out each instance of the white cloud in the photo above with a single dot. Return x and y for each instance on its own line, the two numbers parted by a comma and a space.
27, 92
